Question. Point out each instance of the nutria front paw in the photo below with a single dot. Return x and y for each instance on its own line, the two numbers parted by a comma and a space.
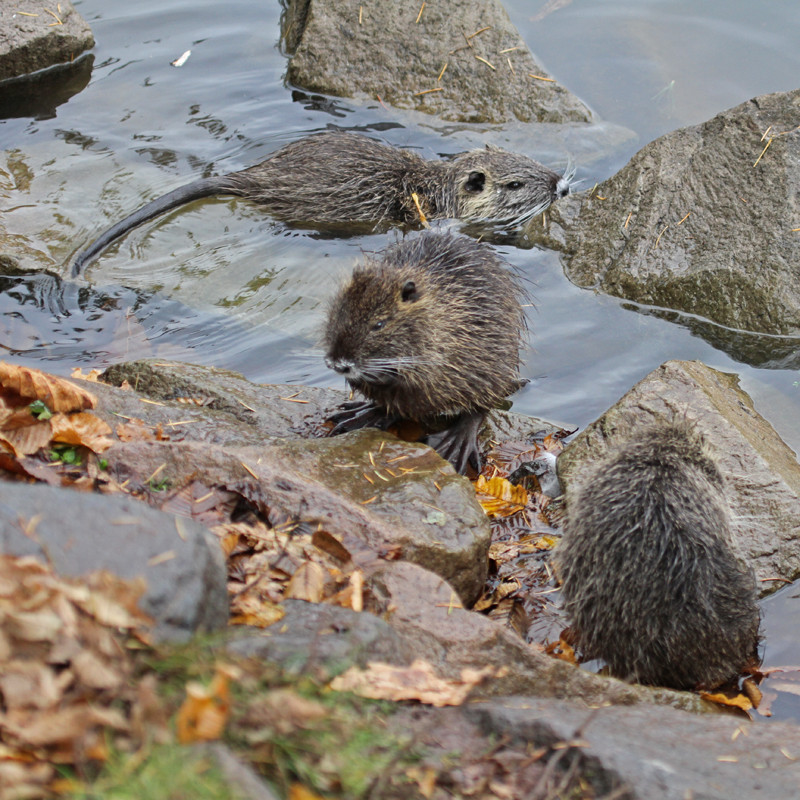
356, 414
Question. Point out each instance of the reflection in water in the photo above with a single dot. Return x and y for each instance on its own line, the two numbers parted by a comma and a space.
39, 94
781, 688
44, 318
755, 349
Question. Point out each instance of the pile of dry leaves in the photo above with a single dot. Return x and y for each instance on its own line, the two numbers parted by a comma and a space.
65, 673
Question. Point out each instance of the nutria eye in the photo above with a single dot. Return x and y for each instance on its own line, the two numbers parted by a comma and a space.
514, 185
379, 324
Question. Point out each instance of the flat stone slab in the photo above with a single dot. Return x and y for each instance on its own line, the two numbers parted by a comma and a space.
33, 37
658, 753
460, 60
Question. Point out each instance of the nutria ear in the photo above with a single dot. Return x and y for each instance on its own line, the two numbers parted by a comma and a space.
409, 292
475, 182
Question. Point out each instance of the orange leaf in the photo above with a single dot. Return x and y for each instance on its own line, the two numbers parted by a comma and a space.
84, 428
738, 701
204, 712
299, 792
499, 497
56, 393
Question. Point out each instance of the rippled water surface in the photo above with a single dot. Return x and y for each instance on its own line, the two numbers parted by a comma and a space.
219, 282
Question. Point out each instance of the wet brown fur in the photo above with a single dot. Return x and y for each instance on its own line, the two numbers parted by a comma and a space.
432, 326
338, 177
650, 580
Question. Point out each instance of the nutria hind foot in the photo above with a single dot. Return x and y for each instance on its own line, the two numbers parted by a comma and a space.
458, 443
357, 414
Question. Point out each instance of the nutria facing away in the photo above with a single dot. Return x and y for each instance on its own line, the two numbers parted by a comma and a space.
338, 177
651, 583
431, 327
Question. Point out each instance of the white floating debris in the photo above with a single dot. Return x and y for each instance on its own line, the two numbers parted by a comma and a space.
181, 60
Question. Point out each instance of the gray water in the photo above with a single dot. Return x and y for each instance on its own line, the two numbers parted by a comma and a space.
221, 283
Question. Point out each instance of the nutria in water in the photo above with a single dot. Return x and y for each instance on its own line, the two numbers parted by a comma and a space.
338, 177
651, 583
433, 326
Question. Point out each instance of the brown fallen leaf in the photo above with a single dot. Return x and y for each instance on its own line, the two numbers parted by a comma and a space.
57, 394
196, 500
65, 677
27, 684
136, 430
255, 611
29, 439
32, 626
307, 583
562, 650
25, 779
84, 429
284, 711
94, 672
328, 543
381, 681
64, 725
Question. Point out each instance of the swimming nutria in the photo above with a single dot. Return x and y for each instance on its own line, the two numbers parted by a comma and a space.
431, 327
650, 580
339, 177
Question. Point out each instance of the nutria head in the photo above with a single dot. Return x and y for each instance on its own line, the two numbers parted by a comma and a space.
433, 326
493, 185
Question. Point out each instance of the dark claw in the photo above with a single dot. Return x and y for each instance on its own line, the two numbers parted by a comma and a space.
459, 443
357, 414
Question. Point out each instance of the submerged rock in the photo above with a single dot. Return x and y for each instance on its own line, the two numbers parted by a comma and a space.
459, 60
700, 220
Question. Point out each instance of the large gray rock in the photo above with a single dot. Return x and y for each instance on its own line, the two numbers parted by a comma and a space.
693, 223
322, 640
322, 484
79, 533
384, 51
386, 493
762, 476
657, 753
33, 37
426, 621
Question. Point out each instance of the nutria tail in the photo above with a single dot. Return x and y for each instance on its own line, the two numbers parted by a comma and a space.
205, 187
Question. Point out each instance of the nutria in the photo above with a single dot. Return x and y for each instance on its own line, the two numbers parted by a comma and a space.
433, 326
338, 177
650, 580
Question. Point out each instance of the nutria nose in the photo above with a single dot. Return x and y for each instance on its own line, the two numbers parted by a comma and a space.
562, 188
341, 365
